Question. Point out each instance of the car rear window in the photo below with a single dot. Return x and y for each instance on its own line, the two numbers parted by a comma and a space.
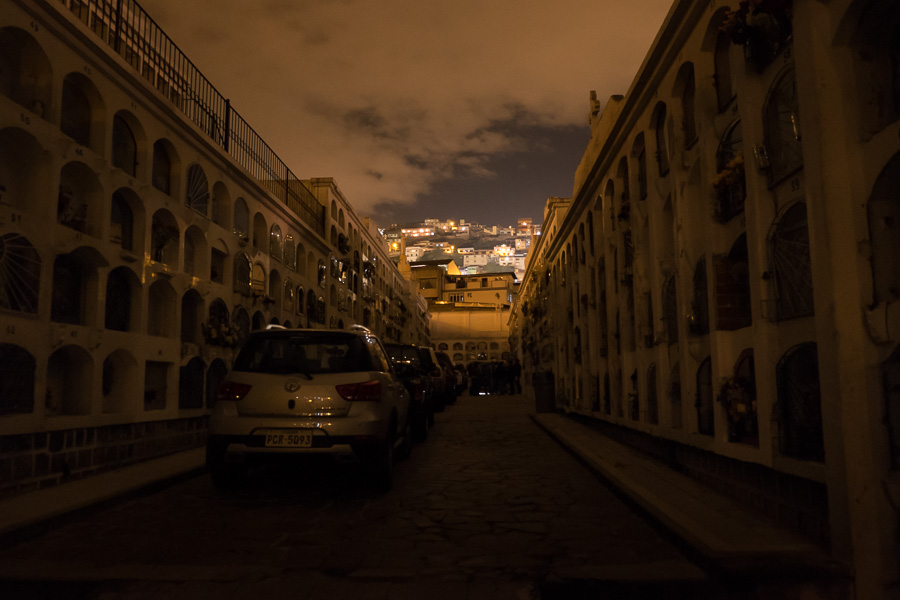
404, 354
309, 354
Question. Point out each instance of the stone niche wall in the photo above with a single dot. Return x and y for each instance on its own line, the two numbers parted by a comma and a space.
34, 461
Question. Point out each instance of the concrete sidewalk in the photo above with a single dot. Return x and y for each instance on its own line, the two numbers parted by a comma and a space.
726, 535
719, 530
22, 516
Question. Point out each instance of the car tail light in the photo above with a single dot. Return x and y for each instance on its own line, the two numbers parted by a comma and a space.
368, 391
231, 391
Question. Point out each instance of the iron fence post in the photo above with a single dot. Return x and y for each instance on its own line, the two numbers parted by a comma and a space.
227, 123
118, 39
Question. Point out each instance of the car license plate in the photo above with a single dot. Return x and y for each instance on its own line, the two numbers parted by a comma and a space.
288, 438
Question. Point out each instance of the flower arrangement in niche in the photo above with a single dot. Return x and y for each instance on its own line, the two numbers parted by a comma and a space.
730, 188
732, 173
738, 397
218, 333
762, 27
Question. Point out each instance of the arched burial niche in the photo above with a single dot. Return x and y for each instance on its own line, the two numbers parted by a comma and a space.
17, 371
164, 237
69, 382
80, 199
122, 299
190, 384
162, 309
75, 286
24, 169
25, 72
82, 114
20, 274
120, 379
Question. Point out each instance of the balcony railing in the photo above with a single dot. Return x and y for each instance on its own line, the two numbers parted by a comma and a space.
126, 28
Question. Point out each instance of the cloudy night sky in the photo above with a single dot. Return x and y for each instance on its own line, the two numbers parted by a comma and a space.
474, 109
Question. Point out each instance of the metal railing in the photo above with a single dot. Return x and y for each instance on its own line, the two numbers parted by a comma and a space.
134, 35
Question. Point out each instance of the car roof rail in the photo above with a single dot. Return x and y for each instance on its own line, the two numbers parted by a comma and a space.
357, 327
274, 326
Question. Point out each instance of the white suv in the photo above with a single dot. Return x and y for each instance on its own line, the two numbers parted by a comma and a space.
309, 392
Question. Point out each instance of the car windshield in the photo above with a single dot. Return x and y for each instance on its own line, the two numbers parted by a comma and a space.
404, 354
304, 354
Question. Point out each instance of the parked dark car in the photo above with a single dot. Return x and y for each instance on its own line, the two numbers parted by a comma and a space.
449, 370
436, 375
462, 379
407, 360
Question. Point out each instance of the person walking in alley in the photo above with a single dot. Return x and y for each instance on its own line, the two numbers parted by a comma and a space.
515, 374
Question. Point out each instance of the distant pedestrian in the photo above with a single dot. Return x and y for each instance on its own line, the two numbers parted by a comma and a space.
501, 377
515, 374
487, 377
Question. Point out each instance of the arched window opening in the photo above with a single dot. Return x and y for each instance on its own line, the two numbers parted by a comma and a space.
241, 321
164, 237
20, 274
658, 123
699, 318
119, 301
276, 244
119, 377
639, 152
260, 232
121, 223
676, 416
722, 76
884, 232
322, 273
69, 283
161, 306
124, 146
781, 122
17, 371
258, 280
311, 307
705, 407
79, 202
890, 377
688, 118
241, 220
288, 302
190, 384
738, 398
156, 385
25, 73
242, 274
791, 265
800, 406
730, 182
69, 380
215, 375
652, 396
197, 190
76, 117
670, 309
733, 288
290, 253
300, 297
162, 168
191, 317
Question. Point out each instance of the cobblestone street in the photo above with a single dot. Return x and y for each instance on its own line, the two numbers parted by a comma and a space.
488, 507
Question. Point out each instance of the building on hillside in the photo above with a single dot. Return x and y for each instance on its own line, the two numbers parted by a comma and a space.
723, 286
524, 227
142, 237
470, 321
